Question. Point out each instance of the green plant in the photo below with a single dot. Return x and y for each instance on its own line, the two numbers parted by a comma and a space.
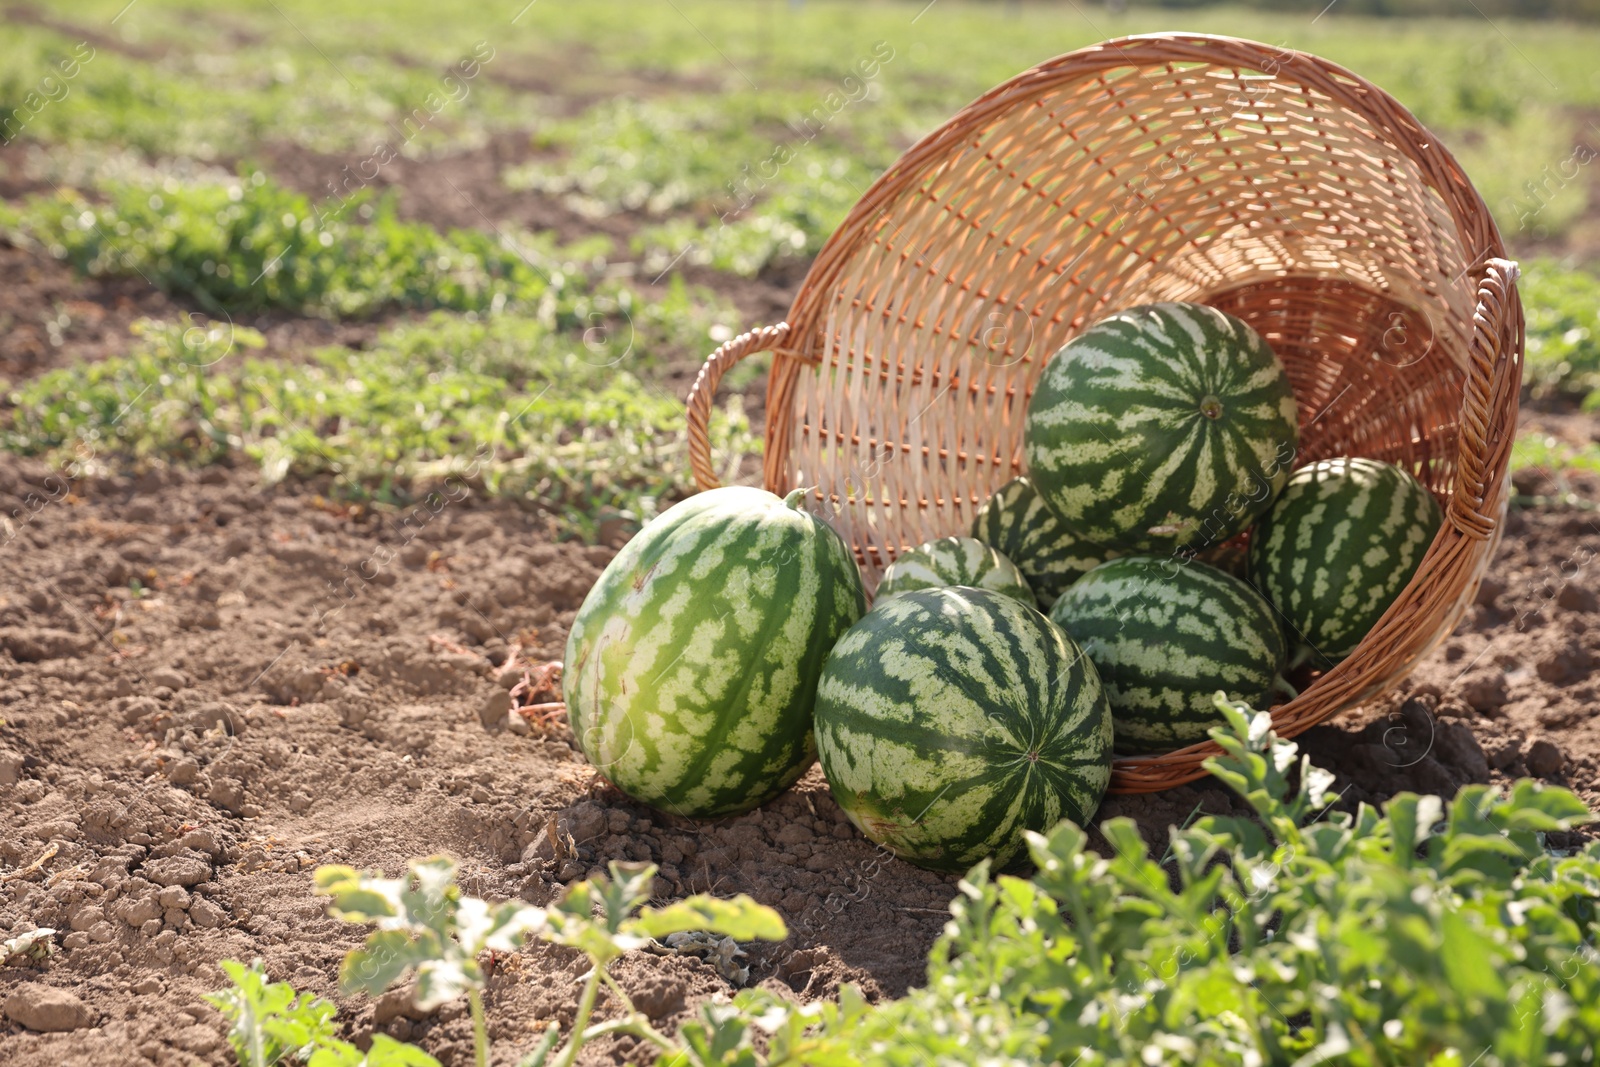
748, 178
229, 81
647, 156
508, 405
270, 1024
1558, 460
428, 928
1430, 933
250, 244
788, 220
1563, 314
1434, 933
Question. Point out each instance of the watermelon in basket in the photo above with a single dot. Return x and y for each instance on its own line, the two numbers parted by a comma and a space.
1277, 188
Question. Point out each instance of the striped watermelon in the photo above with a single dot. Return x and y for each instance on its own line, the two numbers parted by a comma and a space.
1015, 522
1163, 426
1337, 548
692, 665
949, 721
1165, 637
954, 561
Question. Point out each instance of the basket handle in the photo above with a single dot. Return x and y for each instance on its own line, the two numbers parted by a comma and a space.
1486, 376
704, 391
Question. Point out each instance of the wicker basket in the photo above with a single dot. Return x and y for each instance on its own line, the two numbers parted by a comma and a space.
1269, 183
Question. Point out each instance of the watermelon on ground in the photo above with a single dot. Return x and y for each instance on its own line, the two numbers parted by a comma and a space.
1015, 522
1337, 548
950, 721
1165, 636
692, 665
949, 561
1161, 427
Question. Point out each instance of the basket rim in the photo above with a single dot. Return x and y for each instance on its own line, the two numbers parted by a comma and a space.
1466, 206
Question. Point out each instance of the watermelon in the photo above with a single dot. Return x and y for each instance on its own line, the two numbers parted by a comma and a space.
1015, 523
1165, 637
692, 665
951, 721
954, 561
1337, 548
1163, 426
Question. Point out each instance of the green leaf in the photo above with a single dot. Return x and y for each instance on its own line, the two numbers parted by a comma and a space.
621, 894
385, 1052
592, 939
1490, 855
381, 961
739, 918
572, 922
441, 980
338, 1054
1469, 960
718, 1038
852, 1005
1125, 839
1411, 820
358, 897
268, 1020
1534, 806
482, 927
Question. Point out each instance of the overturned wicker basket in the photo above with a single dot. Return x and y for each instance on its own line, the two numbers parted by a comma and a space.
1269, 183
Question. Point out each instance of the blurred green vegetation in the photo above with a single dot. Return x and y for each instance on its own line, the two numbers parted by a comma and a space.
505, 405
250, 245
700, 134
750, 178
1588, 10
1514, 123
1550, 453
1554, 462
727, 84
1562, 307
216, 84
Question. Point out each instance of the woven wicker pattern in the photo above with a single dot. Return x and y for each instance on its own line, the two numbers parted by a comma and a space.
1269, 183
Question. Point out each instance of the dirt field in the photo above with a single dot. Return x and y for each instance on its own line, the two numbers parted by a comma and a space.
209, 689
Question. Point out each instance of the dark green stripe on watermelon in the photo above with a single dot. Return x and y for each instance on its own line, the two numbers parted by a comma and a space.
1165, 636
949, 721
692, 666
